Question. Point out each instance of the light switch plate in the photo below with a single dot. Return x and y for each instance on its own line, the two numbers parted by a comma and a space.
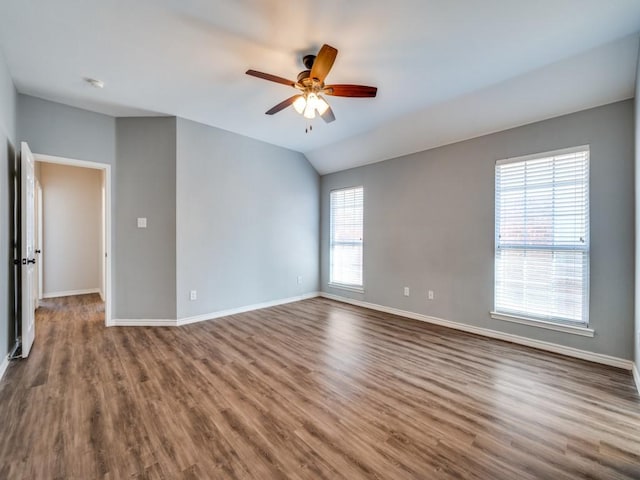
142, 222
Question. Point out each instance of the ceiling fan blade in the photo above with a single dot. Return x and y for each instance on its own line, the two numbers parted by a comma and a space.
350, 91
282, 105
328, 115
323, 62
271, 78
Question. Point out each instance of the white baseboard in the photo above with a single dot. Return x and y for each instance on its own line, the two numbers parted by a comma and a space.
170, 322
101, 295
69, 293
636, 377
3, 366
142, 322
247, 308
529, 342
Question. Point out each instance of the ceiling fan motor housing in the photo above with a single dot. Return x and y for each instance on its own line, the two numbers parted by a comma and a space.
308, 60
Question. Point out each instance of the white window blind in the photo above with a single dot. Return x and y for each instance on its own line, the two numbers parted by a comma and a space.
542, 236
346, 210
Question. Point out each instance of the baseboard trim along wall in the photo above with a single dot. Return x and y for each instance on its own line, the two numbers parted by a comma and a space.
247, 308
3, 366
529, 342
69, 293
143, 322
636, 377
119, 322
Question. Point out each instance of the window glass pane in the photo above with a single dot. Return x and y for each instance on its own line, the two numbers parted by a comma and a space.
544, 284
542, 237
346, 224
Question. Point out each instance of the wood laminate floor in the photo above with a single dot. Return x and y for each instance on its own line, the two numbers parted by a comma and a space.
310, 390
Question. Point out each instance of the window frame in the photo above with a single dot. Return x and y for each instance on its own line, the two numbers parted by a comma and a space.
550, 322
358, 288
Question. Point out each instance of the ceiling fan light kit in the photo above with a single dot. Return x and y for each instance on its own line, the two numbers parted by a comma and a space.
310, 102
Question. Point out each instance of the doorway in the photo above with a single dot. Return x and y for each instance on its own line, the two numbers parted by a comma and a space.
100, 216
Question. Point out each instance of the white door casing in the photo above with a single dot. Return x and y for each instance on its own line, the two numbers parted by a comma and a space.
38, 244
106, 168
103, 235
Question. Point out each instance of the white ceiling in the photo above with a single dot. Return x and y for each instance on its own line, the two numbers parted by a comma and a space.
445, 70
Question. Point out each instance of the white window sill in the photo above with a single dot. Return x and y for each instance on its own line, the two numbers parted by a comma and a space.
350, 288
559, 327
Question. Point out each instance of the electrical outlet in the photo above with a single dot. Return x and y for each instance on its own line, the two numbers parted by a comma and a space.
406, 291
193, 295
299, 279
430, 294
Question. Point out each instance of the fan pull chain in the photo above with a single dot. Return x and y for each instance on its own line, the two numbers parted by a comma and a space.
308, 129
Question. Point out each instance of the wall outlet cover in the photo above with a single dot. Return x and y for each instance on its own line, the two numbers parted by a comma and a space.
193, 295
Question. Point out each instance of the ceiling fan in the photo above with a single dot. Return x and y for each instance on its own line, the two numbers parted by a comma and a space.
311, 84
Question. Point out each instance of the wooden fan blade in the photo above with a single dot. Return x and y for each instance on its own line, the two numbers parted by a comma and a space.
350, 91
328, 115
323, 62
282, 105
271, 78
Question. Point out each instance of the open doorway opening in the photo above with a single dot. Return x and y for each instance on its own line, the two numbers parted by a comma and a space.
73, 230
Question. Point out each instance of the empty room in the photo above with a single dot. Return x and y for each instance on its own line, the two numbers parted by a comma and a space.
262, 239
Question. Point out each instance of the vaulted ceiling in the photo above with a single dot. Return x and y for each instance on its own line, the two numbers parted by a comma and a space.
446, 70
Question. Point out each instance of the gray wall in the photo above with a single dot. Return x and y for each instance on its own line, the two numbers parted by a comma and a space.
234, 255
429, 224
54, 129
247, 217
637, 190
72, 228
146, 187
8, 108
145, 149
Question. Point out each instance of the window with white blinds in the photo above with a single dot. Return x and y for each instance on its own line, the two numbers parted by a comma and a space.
346, 210
542, 237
